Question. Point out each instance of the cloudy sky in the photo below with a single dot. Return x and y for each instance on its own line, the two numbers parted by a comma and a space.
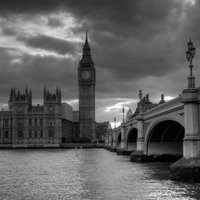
135, 44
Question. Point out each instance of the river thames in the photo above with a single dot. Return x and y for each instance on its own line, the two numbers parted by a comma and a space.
87, 174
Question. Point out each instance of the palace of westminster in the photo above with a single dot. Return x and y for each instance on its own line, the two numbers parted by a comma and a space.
53, 123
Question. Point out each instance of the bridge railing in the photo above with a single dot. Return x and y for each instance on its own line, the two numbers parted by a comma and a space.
168, 107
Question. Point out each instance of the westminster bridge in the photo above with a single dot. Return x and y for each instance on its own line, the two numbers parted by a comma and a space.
157, 131
164, 130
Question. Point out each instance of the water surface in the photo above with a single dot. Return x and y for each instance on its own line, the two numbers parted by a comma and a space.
87, 174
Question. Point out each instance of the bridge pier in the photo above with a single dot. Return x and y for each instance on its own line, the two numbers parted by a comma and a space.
109, 140
113, 147
138, 155
121, 150
188, 167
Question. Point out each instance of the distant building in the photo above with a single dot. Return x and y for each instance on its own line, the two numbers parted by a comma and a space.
67, 112
76, 130
29, 125
5, 127
67, 123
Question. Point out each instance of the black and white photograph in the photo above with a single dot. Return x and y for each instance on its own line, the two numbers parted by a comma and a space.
99, 100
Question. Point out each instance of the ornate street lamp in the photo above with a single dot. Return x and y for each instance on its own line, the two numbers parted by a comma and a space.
190, 55
140, 95
115, 122
140, 102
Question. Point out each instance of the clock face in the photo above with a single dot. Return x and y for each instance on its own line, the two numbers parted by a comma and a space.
20, 109
86, 75
51, 108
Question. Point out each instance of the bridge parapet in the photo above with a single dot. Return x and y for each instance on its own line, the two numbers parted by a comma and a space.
131, 122
170, 106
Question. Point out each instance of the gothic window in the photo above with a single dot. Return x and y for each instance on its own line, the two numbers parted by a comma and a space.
35, 122
83, 91
88, 90
51, 122
82, 113
6, 134
41, 122
88, 126
88, 113
80, 91
20, 122
81, 103
41, 133
35, 133
6, 124
30, 122
30, 134
89, 103
51, 133
20, 108
20, 134
86, 102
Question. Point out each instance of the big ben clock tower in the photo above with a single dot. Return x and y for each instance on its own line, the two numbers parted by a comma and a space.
86, 81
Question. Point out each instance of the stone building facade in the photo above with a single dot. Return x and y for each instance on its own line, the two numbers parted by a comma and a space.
5, 127
25, 125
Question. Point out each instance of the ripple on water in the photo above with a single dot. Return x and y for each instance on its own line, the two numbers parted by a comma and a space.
86, 174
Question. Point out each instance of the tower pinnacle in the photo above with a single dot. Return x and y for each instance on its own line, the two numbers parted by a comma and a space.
86, 47
86, 57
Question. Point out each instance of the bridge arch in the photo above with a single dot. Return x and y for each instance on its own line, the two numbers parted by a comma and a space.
165, 137
131, 139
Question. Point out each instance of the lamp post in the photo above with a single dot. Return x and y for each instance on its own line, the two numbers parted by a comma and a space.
115, 122
140, 102
190, 55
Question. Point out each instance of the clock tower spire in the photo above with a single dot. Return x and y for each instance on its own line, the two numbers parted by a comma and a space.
86, 81
86, 57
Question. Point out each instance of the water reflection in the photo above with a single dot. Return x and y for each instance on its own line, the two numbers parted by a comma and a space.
86, 174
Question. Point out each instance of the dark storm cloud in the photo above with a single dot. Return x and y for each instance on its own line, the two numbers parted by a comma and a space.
31, 7
192, 17
137, 13
58, 45
36, 71
125, 18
